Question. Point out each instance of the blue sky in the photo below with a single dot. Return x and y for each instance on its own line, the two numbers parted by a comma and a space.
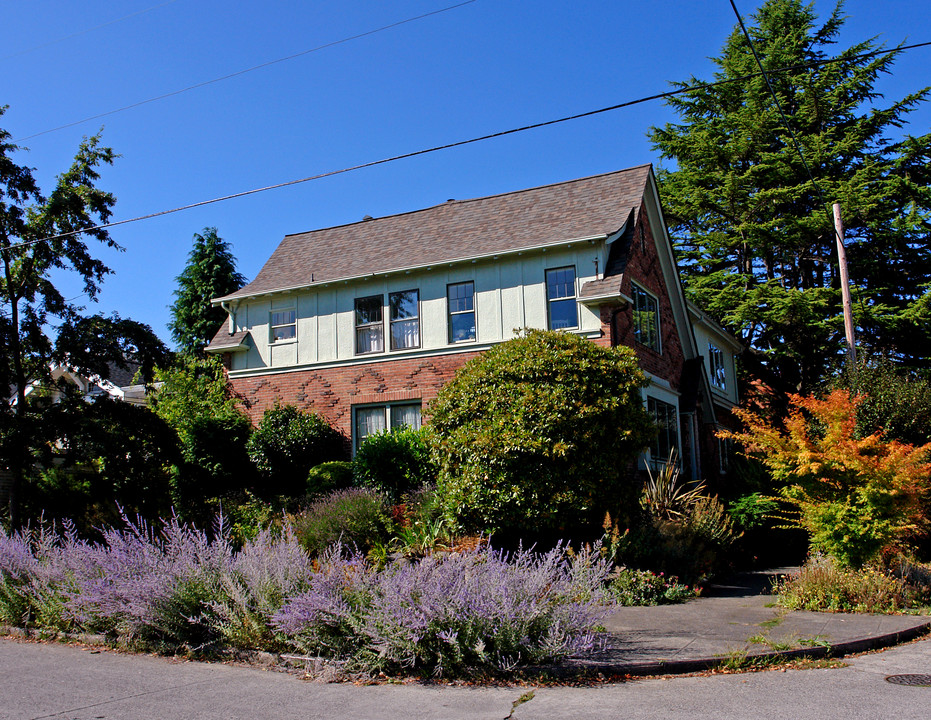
486, 66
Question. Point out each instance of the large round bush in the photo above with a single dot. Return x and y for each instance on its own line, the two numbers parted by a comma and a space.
287, 443
539, 433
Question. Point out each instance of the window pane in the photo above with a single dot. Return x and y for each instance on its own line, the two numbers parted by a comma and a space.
285, 332
563, 314
284, 317
646, 318
403, 304
368, 310
405, 334
460, 297
718, 371
668, 436
462, 327
368, 422
405, 416
560, 283
369, 339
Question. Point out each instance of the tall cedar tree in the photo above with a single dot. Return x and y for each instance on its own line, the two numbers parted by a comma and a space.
210, 272
756, 238
31, 305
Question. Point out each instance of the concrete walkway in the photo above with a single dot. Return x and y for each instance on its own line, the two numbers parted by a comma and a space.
736, 618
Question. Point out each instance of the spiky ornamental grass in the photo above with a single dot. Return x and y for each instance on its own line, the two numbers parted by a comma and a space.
176, 589
460, 613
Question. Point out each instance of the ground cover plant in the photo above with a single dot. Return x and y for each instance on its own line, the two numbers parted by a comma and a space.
175, 588
823, 585
642, 587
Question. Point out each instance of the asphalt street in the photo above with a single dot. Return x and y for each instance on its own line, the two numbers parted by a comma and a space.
61, 682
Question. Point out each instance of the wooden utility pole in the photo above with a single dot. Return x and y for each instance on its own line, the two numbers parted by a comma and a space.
845, 287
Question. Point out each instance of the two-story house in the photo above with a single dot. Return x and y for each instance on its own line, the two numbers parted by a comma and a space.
364, 323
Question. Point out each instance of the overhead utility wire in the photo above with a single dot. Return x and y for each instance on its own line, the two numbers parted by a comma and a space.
415, 153
84, 32
247, 70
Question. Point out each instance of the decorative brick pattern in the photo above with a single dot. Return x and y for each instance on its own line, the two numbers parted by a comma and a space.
332, 392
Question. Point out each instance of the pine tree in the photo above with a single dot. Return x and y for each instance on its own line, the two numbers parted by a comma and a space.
210, 272
756, 237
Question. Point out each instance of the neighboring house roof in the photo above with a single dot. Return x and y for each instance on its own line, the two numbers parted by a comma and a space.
597, 206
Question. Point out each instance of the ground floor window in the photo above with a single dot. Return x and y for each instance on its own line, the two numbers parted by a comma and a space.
371, 419
668, 436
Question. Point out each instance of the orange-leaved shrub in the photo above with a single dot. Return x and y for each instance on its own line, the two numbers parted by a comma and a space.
854, 495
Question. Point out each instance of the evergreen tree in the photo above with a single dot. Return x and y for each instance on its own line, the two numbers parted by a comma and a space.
210, 272
756, 237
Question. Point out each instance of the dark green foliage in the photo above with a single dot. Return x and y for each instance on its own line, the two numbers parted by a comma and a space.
356, 517
33, 260
195, 400
538, 433
329, 476
287, 443
896, 402
642, 587
756, 238
395, 462
101, 460
750, 512
210, 273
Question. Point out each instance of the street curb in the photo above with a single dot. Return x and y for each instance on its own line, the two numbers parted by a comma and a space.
578, 666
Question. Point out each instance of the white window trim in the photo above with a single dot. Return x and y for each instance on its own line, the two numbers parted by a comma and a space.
574, 297
449, 314
271, 326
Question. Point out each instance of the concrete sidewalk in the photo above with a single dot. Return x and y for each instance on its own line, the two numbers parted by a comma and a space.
736, 618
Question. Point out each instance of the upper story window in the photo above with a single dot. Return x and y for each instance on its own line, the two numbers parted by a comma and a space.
404, 315
283, 325
561, 312
718, 368
370, 327
460, 303
646, 318
668, 436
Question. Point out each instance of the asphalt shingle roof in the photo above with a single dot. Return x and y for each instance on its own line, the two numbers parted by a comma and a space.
454, 230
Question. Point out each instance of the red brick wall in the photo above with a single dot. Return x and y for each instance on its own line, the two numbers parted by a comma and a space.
332, 392
643, 265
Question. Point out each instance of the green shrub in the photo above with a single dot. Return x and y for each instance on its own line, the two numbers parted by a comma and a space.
356, 517
895, 401
642, 587
287, 443
329, 476
539, 432
395, 462
750, 512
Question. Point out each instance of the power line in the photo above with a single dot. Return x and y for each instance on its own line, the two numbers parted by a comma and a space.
460, 143
247, 70
84, 32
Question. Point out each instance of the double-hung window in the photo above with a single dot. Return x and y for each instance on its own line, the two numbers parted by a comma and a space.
562, 312
718, 368
646, 318
404, 316
378, 418
370, 327
668, 436
283, 325
460, 303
